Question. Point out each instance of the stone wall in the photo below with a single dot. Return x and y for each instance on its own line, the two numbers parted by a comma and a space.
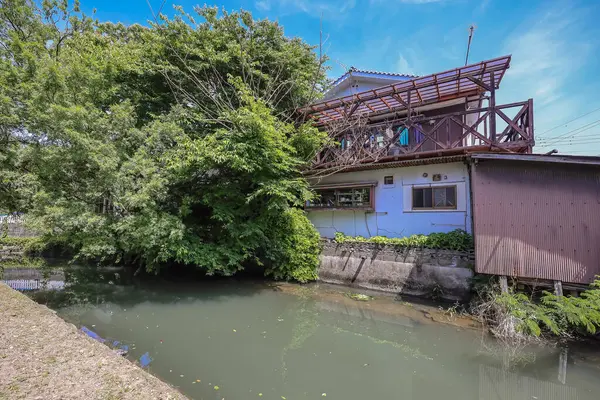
441, 274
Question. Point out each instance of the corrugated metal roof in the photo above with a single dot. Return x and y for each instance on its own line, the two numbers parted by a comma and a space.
565, 159
374, 73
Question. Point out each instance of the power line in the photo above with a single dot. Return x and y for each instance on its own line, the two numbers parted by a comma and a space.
575, 131
583, 138
587, 140
568, 122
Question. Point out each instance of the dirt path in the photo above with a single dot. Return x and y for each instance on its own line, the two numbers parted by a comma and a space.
44, 357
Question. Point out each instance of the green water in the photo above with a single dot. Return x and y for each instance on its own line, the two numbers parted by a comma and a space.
254, 340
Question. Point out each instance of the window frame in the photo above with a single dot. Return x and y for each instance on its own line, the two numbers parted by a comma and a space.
433, 207
369, 207
389, 185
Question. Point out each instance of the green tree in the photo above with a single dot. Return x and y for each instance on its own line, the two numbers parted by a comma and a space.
161, 144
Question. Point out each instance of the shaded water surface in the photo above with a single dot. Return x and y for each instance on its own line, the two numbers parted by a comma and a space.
246, 340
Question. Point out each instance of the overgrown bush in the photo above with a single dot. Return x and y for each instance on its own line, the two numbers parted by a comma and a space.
172, 143
515, 316
576, 315
29, 245
456, 240
296, 254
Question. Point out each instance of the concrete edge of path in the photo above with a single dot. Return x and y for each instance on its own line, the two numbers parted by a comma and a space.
44, 357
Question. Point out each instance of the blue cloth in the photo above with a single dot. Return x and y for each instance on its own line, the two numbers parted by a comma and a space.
92, 334
403, 139
145, 359
419, 137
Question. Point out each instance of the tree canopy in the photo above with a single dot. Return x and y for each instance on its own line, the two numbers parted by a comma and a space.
169, 143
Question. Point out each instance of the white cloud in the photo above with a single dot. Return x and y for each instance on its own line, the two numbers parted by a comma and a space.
483, 6
329, 9
547, 53
409, 1
404, 67
264, 5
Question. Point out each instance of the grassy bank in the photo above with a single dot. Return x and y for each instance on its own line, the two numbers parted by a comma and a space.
43, 356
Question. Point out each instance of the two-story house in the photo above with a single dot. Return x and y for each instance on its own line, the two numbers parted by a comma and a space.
398, 163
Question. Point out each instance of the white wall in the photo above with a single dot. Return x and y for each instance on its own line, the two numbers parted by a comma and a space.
393, 215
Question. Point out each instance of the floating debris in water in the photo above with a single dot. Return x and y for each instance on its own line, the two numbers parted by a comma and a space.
216, 387
145, 359
324, 394
92, 334
121, 352
359, 296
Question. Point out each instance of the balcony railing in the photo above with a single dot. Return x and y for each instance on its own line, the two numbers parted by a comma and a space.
507, 128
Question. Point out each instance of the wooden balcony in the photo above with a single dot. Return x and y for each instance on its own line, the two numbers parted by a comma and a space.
504, 128
429, 116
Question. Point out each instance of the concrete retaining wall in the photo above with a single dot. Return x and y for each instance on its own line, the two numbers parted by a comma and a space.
419, 272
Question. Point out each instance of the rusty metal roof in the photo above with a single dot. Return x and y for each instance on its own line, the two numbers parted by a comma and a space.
565, 159
435, 88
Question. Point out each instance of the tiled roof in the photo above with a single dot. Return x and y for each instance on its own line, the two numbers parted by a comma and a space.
365, 71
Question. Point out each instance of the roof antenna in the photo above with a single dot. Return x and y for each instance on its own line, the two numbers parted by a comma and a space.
471, 30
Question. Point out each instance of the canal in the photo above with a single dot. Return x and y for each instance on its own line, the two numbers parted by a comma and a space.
233, 339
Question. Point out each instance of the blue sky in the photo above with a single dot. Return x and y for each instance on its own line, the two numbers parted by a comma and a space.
555, 47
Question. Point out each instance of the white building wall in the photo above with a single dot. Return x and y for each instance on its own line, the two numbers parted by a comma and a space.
393, 215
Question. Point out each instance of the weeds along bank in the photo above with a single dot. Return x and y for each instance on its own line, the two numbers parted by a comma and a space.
520, 317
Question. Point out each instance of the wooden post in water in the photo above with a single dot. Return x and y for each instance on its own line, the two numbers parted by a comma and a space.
558, 290
562, 365
503, 284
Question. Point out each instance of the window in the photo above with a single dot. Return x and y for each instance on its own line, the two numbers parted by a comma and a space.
388, 180
440, 197
350, 198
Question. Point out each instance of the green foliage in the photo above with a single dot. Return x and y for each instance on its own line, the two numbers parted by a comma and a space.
156, 145
455, 240
576, 314
295, 254
530, 317
559, 315
30, 245
23, 262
